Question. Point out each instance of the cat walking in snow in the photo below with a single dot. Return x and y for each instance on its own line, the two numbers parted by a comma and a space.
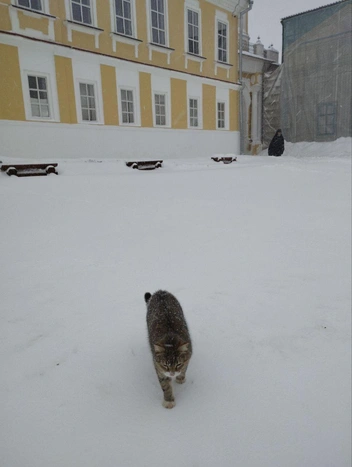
169, 340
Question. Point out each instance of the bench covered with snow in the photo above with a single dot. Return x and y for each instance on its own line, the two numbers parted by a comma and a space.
144, 165
30, 170
225, 159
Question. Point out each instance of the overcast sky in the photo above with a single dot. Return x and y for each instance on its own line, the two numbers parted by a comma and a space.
265, 16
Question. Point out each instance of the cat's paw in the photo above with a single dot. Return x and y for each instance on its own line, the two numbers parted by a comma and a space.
180, 380
169, 404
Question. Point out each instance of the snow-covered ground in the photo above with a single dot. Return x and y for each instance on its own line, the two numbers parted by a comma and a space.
258, 253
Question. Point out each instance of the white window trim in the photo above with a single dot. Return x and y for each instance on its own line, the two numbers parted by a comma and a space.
199, 11
167, 110
53, 110
226, 123
135, 105
222, 17
15, 9
134, 19
188, 55
121, 38
73, 25
166, 49
99, 120
200, 113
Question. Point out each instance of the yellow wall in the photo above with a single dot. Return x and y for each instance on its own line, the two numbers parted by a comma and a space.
178, 103
145, 88
209, 103
65, 89
5, 23
234, 110
11, 98
176, 23
108, 83
39, 24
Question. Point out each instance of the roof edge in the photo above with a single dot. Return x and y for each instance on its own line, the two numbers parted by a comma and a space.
315, 9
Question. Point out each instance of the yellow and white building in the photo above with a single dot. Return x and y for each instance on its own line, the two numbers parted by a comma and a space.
119, 78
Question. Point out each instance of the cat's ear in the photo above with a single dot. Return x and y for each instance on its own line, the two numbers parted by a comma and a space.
147, 297
183, 347
158, 348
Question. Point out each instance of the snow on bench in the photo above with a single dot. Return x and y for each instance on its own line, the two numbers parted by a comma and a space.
30, 170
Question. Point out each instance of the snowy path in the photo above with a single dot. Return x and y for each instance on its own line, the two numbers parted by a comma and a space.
259, 255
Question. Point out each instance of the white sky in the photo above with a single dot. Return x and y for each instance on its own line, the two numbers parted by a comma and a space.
265, 16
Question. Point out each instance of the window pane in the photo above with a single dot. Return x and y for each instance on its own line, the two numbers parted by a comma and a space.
44, 110
76, 12
161, 22
128, 28
154, 19
131, 118
33, 95
24, 3
41, 83
84, 101
87, 19
35, 110
161, 38
119, 25
90, 88
127, 10
86, 2
92, 115
36, 5
123, 94
82, 88
43, 95
32, 82
118, 7
161, 6
85, 114
155, 36
91, 102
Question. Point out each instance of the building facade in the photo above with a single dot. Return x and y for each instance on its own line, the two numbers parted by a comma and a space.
316, 86
258, 63
118, 78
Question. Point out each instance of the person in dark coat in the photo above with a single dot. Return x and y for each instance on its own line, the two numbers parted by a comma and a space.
277, 145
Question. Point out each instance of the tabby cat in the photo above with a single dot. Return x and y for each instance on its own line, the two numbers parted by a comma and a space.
169, 341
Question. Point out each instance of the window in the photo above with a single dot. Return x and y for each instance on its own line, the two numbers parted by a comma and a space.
327, 119
31, 4
123, 12
157, 8
193, 32
221, 114
160, 109
127, 105
82, 11
193, 113
88, 104
39, 99
222, 41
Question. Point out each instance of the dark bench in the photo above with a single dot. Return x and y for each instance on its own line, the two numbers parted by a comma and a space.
145, 165
225, 160
30, 170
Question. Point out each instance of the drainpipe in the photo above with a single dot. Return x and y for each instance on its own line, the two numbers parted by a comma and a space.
242, 13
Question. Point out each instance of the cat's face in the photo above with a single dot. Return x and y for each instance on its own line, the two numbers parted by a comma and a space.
171, 361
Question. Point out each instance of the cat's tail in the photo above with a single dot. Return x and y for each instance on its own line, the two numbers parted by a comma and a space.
147, 297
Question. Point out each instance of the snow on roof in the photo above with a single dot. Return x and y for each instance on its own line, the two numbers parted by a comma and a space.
315, 9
